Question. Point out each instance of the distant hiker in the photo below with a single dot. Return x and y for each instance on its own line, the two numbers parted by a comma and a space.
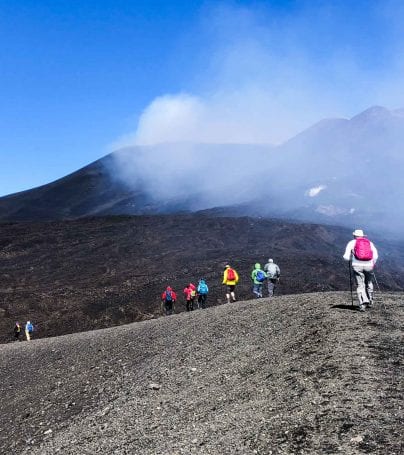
273, 273
363, 256
168, 298
190, 294
17, 331
258, 276
230, 279
29, 328
203, 290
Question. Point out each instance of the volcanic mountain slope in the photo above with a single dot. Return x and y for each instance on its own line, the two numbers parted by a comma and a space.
338, 171
92, 273
301, 374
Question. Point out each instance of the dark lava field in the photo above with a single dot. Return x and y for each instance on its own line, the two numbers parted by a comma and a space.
70, 276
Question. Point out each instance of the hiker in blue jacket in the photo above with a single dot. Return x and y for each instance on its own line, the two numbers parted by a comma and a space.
258, 277
29, 328
203, 290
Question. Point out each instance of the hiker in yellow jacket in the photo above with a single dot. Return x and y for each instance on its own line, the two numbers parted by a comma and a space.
230, 279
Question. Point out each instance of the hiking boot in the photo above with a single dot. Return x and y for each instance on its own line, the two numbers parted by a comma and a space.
361, 308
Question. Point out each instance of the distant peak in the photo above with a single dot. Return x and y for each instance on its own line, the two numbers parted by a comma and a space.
373, 112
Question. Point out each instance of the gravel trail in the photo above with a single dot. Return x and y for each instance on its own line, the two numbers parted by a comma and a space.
302, 374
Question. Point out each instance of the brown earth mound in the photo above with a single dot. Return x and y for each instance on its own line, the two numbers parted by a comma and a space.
303, 374
79, 275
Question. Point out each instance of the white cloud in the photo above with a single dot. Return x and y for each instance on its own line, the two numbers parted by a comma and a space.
263, 77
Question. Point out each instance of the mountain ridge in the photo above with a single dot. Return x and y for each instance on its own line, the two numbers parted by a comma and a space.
357, 163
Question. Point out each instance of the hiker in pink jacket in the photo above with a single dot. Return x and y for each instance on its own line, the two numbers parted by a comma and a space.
363, 256
190, 294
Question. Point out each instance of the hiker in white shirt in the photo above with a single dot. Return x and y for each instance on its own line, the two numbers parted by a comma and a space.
363, 256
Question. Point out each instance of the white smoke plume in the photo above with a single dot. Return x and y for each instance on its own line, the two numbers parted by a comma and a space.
261, 79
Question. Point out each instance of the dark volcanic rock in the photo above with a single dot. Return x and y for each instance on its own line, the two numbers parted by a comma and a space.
302, 374
91, 273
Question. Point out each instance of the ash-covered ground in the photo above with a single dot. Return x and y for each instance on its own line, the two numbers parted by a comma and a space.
302, 374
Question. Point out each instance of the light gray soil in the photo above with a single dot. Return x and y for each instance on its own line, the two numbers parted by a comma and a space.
303, 374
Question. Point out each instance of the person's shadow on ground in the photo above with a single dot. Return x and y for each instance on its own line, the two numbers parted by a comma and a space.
345, 307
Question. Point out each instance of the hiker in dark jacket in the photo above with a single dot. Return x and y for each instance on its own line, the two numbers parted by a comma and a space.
363, 256
258, 277
273, 273
168, 299
17, 331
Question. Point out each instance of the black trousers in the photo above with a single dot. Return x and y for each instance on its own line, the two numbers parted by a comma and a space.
202, 300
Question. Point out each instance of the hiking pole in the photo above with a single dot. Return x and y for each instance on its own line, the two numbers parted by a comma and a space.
378, 288
350, 280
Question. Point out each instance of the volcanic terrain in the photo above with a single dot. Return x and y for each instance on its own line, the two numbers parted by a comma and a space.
71, 276
300, 374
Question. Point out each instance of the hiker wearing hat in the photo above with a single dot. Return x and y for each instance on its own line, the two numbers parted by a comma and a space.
363, 256
273, 273
230, 279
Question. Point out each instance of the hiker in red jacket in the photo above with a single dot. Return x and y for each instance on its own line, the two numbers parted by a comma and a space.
168, 299
190, 294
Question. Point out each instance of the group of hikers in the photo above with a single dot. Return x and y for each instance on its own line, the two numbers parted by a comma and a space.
198, 294
28, 329
192, 293
360, 252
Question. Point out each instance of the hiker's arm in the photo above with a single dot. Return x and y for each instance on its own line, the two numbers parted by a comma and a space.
375, 253
348, 250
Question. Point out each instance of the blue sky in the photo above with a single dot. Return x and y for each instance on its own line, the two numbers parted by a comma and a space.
81, 78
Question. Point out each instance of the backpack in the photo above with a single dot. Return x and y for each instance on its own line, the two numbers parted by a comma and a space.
260, 276
30, 328
169, 297
272, 271
362, 250
231, 275
203, 288
193, 293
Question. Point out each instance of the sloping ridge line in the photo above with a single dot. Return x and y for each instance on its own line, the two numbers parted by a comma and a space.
299, 374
